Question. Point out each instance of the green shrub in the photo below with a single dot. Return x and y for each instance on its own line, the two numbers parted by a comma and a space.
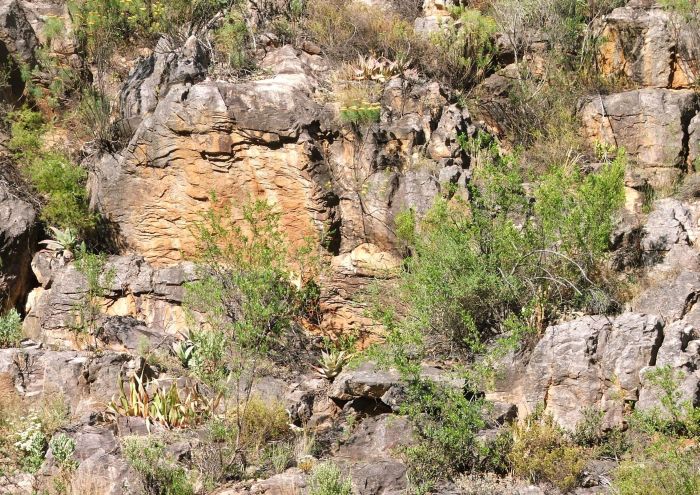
446, 424
665, 466
542, 452
484, 273
55, 178
326, 479
62, 447
496, 264
10, 329
232, 43
159, 474
243, 292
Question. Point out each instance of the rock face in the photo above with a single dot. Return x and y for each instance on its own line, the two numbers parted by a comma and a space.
650, 46
652, 125
165, 67
271, 138
151, 296
600, 362
17, 44
85, 383
18, 240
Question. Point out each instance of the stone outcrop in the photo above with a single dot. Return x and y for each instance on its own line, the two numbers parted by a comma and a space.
160, 70
86, 383
18, 239
652, 125
273, 138
141, 301
651, 47
593, 361
17, 44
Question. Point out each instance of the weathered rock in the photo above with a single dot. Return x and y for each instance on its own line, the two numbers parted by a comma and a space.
291, 482
652, 47
18, 240
85, 382
650, 124
136, 290
593, 361
154, 75
369, 454
364, 383
17, 38
100, 468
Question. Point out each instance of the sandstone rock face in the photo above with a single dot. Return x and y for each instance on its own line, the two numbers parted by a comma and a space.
150, 296
650, 46
18, 240
593, 361
271, 138
652, 125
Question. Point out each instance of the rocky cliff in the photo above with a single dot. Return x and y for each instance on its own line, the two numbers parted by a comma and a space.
188, 138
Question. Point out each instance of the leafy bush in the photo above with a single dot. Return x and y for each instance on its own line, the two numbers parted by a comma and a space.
10, 329
542, 452
244, 293
446, 423
52, 174
232, 43
326, 479
665, 466
62, 447
31, 441
159, 474
497, 264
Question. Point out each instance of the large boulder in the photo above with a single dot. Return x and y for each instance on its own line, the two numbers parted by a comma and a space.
651, 47
591, 362
18, 239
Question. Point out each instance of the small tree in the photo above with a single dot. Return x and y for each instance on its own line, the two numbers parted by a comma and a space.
243, 305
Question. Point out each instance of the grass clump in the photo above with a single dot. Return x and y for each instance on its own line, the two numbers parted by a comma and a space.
10, 329
542, 452
327, 479
160, 475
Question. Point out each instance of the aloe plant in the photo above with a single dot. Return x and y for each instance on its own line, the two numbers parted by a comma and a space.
184, 351
332, 363
63, 244
172, 407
